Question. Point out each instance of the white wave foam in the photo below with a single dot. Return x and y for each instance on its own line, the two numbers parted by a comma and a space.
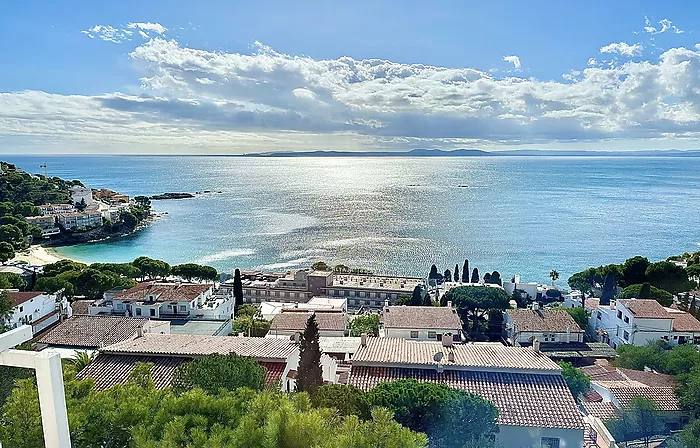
285, 264
225, 255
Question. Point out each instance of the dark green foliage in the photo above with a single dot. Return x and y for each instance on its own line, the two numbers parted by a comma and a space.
82, 205
447, 275
417, 296
346, 400
580, 316
472, 303
9, 280
496, 278
475, 276
254, 326
5, 310
646, 291
641, 420
434, 274
521, 297
693, 272
609, 289
320, 266
54, 284
634, 270
366, 323
690, 436
93, 283
487, 277
450, 417
669, 277
8, 375
309, 372
7, 252
53, 269
215, 372
577, 381
495, 325
12, 234
129, 219
456, 274
191, 271
16, 187
428, 302
151, 268
237, 288
124, 269
465, 272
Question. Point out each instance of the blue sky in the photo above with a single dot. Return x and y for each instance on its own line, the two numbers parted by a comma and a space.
230, 77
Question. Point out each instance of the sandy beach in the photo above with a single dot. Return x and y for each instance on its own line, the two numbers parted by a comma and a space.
37, 256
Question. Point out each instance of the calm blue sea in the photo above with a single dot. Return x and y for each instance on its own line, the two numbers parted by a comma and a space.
523, 215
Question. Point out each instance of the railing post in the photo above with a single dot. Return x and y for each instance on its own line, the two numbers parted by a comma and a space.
52, 400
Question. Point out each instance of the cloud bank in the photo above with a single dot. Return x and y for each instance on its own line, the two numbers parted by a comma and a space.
264, 100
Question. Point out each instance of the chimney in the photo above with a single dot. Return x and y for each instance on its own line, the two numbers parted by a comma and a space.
139, 332
568, 334
386, 303
449, 304
447, 340
296, 337
363, 339
451, 357
536, 345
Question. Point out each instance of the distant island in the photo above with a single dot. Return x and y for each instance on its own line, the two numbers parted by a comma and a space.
425, 152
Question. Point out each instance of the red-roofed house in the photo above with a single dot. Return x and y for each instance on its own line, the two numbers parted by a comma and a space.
36, 308
640, 321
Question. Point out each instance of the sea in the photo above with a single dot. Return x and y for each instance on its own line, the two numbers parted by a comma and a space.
398, 215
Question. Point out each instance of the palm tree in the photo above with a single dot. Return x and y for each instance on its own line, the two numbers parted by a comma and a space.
81, 360
554, 275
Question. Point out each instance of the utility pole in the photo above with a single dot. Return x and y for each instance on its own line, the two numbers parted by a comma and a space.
46, 169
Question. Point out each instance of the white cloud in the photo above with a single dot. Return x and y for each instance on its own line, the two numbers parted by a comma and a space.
194, 98
513, 60
147, 26
623, 48
144, 34
666, 25
108, 33
592, 62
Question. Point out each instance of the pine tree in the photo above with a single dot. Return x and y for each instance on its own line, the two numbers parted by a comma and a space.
456, 276
475, 276
645, 291
433, 272
417, 296
465, 272
309, 372
487, 277
448, 275
496, 278
237, 288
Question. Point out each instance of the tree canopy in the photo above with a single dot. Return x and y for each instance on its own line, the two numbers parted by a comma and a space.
646, 291
192, 271
472, 302
669, 277
309, 372
577, 381
640, 420
215, 372
366, 323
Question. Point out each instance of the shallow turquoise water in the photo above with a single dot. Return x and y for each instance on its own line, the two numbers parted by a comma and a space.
524, 215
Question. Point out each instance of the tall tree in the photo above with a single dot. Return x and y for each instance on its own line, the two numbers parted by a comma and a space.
215, 372
5, 310
554, 275
472, 303
577, 381
496, 278
640, 420
669, 277
448, 275
609, 289
428, 302
465, 272
634, 270
309, 372
475, 275
417, 296
7, 252
433, 272
456, 276
487, 277
237, 287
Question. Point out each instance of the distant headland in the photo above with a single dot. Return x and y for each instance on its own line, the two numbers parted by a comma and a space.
467, 152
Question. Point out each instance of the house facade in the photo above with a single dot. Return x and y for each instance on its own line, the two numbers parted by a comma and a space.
79, 219
46, 223
641, 321
535, 406
420, 323
38, 309
523, 326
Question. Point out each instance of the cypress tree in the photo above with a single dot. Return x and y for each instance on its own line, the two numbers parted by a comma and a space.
448, 275
237, 288
475, 275
608, 289
465, 272
456, 277
433, 272
417, 296
487, 277
309, 372
496, 278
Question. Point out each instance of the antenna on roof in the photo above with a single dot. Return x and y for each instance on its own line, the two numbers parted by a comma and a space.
438, 357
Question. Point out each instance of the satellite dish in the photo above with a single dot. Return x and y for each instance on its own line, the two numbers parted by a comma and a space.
438, 356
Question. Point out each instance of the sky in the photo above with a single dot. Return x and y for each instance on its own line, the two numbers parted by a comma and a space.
224, 77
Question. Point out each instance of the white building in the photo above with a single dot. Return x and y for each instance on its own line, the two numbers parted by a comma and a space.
46, 223
523, 326
535, 406
574, 299
56, 209
420, 323
80, 219
324, 304
78, 194
289, 323
38, 309
640, 321
531, 288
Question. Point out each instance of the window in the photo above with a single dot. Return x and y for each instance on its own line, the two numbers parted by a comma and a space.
619, 314
21, 308
153, 312
549, 442
138, 311
626, 336
627, 320
431, 335
414, 335
183, 307
599, 316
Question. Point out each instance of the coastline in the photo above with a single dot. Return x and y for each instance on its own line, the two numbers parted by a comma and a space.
38, 256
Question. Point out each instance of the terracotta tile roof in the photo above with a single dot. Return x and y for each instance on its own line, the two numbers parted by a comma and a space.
18, 298
296, 321
684, 322
431, 317
557, 321
92, 331
592, 397
165, 292
598, 350
600, 373
592, 303
274, 371
663, 397
110, 370
189, 345
604, 411
476, 356
522, 399
645, 308
651, 379
80, 306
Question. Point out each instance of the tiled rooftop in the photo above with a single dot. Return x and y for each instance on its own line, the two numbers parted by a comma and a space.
663, 397
578, 350
592, 303
375, 282
421, 317
296, 321
92, 331
188, 345
522, 399
651, 379
18, 298
165, 292
558, 321
684, 322
645, 308
602, 410
477, 357
81, 306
